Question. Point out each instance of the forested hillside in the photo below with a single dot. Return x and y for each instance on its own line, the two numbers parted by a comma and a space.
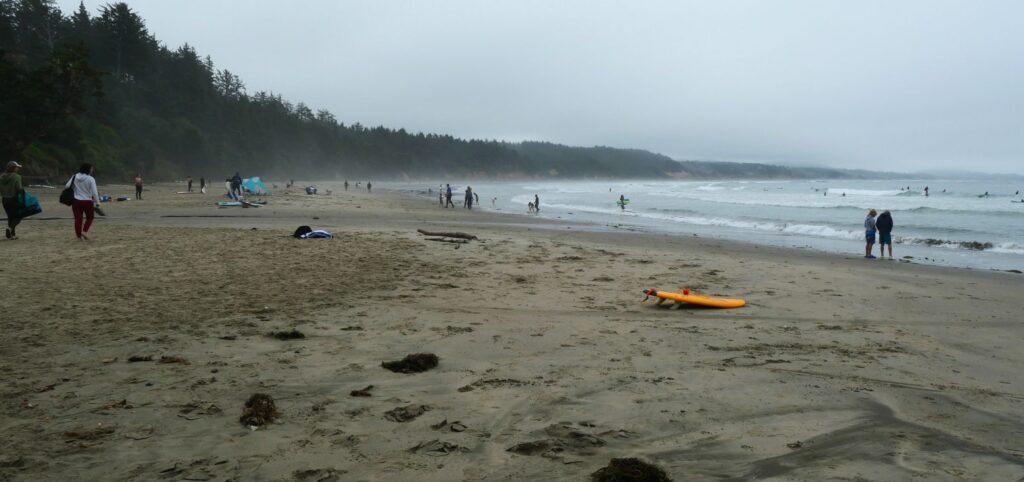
99, 87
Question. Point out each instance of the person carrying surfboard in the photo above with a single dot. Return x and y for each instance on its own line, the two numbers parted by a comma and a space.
622, 201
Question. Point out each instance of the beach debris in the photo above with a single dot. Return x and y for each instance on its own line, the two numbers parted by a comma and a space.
292, 334
318, 475
460, 238
795, 445
259, 410
173, 359
140, 358
437, 448
492, 383
455, 426
561, 437
352, 328
629, 470
122, 403
406, 413
416, 363
140, 434
362, 393
109, 360
97, 433
531, 448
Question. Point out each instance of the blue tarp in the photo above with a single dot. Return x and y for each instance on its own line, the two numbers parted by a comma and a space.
254, 185
28, 205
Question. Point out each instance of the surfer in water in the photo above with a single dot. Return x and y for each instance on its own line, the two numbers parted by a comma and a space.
622, 201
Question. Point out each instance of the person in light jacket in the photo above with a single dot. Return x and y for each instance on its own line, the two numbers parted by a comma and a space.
87, 199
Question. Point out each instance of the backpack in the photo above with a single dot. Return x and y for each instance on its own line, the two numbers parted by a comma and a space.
67, 196
302, 230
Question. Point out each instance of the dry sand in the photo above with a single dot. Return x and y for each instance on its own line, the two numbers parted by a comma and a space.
838, 369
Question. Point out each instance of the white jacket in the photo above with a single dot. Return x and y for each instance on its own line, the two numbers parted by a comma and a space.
85, 188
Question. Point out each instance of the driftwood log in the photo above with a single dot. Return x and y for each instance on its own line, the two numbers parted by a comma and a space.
443, 240
446, 235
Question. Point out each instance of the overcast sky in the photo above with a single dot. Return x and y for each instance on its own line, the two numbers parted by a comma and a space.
902, 86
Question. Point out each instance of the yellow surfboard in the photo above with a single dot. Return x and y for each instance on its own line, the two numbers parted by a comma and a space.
686, 297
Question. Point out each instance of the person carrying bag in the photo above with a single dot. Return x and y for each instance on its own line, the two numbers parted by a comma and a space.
10, 190
86, 199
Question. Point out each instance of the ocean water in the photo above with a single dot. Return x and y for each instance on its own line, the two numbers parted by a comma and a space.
955, 225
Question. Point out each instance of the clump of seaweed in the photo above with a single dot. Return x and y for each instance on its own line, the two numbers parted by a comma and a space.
630, 470
417, 363
259, 410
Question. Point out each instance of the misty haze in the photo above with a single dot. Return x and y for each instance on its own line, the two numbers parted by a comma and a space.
455, 240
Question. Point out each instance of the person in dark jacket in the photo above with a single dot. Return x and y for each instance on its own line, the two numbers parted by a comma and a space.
884, 226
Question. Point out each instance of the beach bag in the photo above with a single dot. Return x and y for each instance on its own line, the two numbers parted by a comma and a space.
302, 230
28, 205
67, 196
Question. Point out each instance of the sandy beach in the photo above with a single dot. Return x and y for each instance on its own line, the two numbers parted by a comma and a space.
839, 368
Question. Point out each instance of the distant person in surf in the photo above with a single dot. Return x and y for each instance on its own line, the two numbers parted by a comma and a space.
346, 184
925, 192
622, 201
536, 203
448, 196
884, 226
190, 184
369, 186
869, 234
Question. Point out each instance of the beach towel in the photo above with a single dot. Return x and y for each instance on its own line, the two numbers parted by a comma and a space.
317, 234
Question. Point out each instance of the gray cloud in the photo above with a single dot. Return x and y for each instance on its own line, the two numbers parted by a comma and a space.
882, 85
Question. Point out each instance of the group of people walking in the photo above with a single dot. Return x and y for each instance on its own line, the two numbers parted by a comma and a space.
80, 193
444, 197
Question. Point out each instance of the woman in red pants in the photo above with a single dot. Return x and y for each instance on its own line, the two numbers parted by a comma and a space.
87, 197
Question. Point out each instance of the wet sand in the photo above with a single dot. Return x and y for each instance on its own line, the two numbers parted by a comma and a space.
838, 369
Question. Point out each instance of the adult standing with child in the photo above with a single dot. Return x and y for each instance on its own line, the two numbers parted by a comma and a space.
87, 200
884, 226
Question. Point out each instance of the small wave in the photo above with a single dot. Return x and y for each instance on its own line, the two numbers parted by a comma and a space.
711, 187
862, 192
1008, 247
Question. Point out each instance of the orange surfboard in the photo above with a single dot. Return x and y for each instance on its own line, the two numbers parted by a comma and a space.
686, 297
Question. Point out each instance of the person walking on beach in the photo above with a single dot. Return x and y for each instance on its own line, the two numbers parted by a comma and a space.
468, 202
190, 184
87, 198
869, 234
138, 187
346, 184
369, 186
448, 196
10, 187
236, 184
884, 226
536, 203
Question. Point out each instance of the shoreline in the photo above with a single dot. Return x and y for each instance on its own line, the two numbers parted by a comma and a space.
549, 363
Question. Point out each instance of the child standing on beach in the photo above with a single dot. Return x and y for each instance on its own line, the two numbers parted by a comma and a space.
869, 233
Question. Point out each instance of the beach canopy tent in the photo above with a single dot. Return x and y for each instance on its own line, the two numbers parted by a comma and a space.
254, 185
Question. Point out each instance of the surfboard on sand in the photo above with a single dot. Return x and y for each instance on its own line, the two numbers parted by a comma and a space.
686, 297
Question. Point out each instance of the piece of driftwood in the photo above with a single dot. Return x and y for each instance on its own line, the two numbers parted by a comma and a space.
443, 240
446, 235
